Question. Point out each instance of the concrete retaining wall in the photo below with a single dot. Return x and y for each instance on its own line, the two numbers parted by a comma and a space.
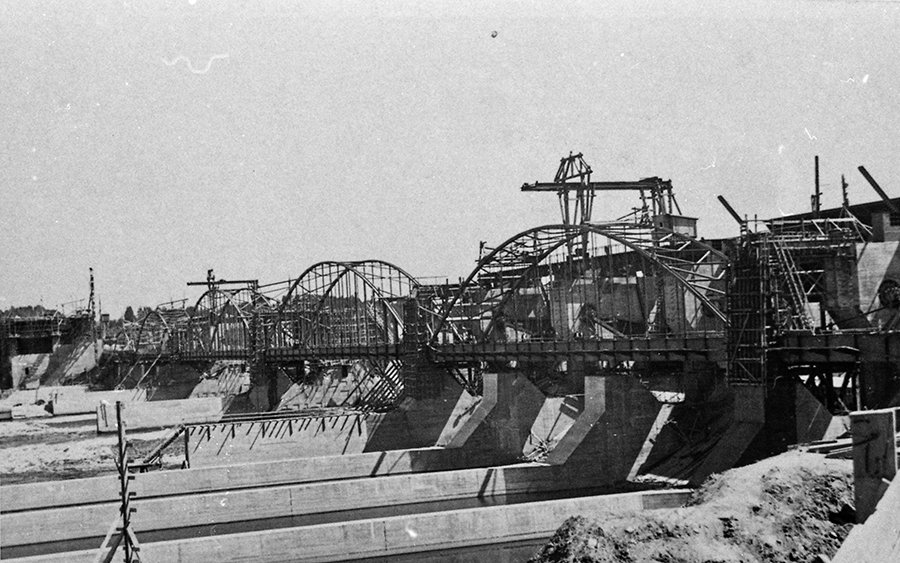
389, 536
34, 364
160, 414
878, 540
55, 494
498, 426
229, 443
415, 423
46, 394
25, 528
88, 402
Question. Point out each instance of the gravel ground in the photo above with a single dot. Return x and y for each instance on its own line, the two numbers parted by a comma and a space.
66, 447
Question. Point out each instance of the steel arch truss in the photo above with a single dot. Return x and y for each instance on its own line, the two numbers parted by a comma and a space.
162, 333
343, 308
222, 323
590, 281
124, 340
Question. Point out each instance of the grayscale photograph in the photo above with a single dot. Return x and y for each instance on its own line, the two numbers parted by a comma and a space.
449, 281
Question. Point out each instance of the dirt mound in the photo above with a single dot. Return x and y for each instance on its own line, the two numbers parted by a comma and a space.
789, 508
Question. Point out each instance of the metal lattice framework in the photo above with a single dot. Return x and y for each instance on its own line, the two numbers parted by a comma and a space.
345, 317
162, 332
124, 340
589, 281
342, 305
221, 323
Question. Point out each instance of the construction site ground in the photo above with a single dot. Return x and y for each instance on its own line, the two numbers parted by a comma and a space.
66, 447
789, 508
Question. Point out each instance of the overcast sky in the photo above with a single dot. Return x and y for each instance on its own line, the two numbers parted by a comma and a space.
154, 140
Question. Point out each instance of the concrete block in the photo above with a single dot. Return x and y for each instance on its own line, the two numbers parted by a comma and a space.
159, 414
878, 540
553, 421
470, 414
877, 262
28, 369
45, 394
594, 408
29, 411
747, 419
499, 426
420, 420
874, 457
88, 402
812, 417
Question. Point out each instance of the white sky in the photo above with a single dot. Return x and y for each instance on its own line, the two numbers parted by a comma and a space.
153, 140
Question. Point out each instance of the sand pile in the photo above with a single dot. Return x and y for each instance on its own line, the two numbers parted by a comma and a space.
789, 508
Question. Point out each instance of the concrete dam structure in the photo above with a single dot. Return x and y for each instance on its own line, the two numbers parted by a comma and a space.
358, 412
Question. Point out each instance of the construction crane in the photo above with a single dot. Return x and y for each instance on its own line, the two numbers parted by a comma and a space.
576, 192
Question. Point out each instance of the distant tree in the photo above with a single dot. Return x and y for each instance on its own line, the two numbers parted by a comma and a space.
143, 312
129, 314
28, 311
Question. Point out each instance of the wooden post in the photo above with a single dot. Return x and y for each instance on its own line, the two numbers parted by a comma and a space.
187, 447
874, 457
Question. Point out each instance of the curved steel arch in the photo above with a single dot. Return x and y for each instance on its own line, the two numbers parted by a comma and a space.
168, 320
124, 340
667, 250
327, 275
348, 265
204, 333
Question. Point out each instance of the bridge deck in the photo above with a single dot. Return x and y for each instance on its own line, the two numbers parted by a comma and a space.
791, 348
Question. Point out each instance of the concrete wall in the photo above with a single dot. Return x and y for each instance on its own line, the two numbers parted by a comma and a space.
55, 494
700, 427
498, 425
434, 401
169, 381
285, 438
388, 536
87, 402
82, 359
45, 394
160, 414
812, 419
62, 524
842, 301
612, 443
415, 423
229, 379
877, 262
553, 421
34, 364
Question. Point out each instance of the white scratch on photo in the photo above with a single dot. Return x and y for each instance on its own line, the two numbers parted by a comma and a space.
187, 61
